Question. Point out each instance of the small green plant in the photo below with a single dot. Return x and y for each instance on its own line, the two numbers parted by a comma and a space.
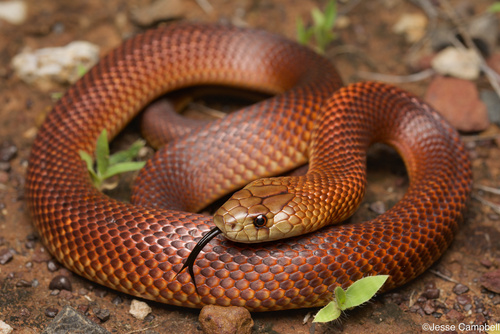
107, 165
322, 29
81, 70
495, 7
358, 293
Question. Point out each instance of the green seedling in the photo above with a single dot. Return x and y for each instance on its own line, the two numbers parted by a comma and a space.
107, 165
81, 70
358, 293
495, 7
322, 28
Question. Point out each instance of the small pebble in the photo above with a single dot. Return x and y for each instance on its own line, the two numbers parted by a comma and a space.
463, 64
55, 292
65, 294
51, 312
52, 265
437, 315
492, 102
22, 283
421, 299
139, 310
83, 292
150, 317
29, 265
486, 263
5, 166
5, 328
415, 308
14, 12
412, 25
440, 304
24, 312
431, 293
429, 307
101, 293
460, 289
467, 307
117, 300
493, 216
491, 280
455, 315
225, 320
480, 319
60, 282
4, 177
464, 299
458, 101
7, 151
430, 285
51, 65
496, 300
378, 207
102, 314
35, 283
5, 255
30, 244
83, 309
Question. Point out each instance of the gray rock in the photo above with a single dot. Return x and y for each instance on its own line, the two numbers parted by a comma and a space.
71, 321
492, 101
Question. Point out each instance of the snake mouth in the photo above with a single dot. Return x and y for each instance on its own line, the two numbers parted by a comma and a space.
189, 263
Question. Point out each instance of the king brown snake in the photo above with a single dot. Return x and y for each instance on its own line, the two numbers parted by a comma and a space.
139, 248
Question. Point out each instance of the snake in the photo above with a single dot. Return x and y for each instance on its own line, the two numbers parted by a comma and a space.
276, 251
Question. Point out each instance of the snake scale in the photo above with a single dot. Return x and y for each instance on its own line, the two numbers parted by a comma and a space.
139, 248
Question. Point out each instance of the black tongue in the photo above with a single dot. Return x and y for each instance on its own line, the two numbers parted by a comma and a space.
196, 251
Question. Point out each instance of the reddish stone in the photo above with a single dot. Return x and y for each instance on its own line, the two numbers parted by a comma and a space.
455, 315
458, 101
491, 280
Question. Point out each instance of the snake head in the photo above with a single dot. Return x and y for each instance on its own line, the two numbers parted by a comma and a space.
259, 212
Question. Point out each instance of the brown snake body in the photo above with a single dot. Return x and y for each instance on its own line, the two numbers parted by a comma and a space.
138, 248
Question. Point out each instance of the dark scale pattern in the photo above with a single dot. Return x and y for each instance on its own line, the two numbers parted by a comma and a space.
139, 248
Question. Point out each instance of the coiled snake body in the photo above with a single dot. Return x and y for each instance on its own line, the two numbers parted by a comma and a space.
139, 248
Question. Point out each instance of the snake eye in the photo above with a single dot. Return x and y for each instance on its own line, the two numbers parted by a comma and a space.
260, 221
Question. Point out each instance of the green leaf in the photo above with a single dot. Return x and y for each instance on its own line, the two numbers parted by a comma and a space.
318, 17
330, 14
123, 167
340, 297
494, 8
328, 313
81, 70
102, 153
128, 154
301, 32
56, 95
90, 164
363, 290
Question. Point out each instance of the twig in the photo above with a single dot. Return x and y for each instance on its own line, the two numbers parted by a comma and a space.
490, 190
493, 206
207, 110
142, 329
476, 138
351, 49
443, 276
397, 78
